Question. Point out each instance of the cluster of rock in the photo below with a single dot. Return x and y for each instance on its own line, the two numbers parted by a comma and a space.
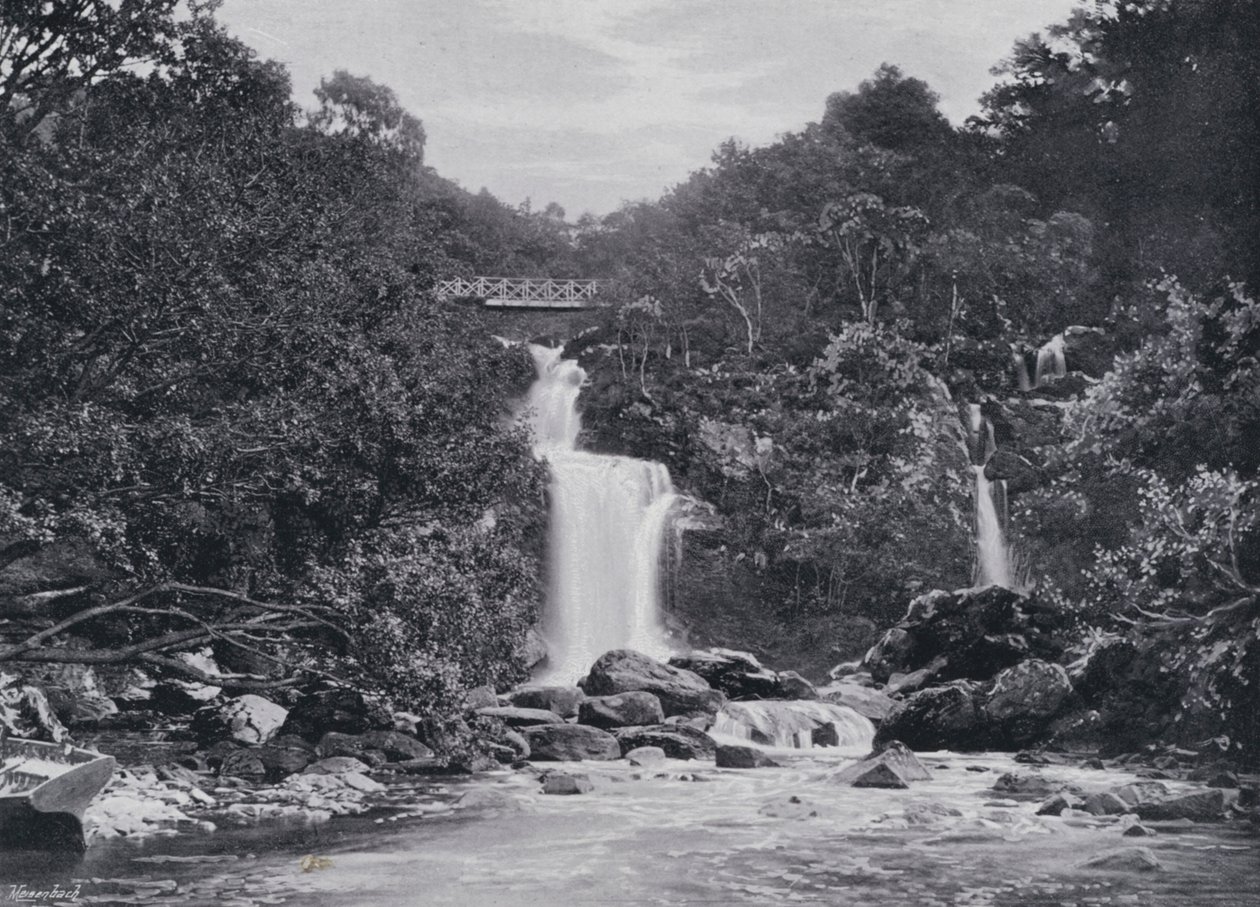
966, 670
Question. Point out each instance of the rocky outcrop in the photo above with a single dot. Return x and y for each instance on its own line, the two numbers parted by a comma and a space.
680, 692
570, 742
977, 631
621, 710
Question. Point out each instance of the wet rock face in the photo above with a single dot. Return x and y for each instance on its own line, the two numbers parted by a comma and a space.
634, 709
680, 692
570, 742
893, 766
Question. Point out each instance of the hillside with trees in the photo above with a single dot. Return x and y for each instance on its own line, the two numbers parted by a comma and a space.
235, 418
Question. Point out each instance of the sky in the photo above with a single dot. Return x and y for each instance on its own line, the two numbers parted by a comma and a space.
590, 103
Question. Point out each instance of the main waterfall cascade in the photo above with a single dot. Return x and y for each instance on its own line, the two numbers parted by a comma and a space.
993, 555
608, 522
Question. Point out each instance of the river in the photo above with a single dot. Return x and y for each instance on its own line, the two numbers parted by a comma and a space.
683, 833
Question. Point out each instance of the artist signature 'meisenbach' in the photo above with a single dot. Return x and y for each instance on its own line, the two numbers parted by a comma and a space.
55, 893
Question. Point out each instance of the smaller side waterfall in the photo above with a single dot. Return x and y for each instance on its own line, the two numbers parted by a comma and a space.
794, 724
993, 554
1050, 363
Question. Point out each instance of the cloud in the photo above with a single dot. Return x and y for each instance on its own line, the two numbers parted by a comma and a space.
587, 102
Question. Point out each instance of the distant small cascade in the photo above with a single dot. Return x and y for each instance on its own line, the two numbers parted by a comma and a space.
794, 724
1050, 364
1051, 361
609, 524
993, 553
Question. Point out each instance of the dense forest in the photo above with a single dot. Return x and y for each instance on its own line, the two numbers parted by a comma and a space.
234, 415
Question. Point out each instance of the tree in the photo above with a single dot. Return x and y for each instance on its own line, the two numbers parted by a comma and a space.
890, 110
51, 51
358, 107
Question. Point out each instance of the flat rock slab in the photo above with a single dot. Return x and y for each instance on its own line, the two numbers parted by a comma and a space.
1126, 859
564, 701
513, 716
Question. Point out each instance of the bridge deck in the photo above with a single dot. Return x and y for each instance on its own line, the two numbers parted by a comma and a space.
523, 292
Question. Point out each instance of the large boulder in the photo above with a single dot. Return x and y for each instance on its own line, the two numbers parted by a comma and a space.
570, 742
621, 710
1022, 701
677, 740
564, 701
937, 718
681, 692
339, 709
247, 719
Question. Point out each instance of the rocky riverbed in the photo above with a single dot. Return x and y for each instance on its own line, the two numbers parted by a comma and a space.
975, 832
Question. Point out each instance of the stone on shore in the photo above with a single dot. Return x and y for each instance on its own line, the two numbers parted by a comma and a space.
681, 692
621, 710
570, 742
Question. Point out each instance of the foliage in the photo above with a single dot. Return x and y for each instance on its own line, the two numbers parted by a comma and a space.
224, 387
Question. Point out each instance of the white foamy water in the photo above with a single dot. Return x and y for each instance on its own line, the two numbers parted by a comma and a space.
608, 521
992, 553
793, 724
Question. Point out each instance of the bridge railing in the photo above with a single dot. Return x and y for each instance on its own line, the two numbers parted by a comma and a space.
524, 292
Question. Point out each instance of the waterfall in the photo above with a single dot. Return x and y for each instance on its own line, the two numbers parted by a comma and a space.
991, 552
993, 556
1051, 361
608, 522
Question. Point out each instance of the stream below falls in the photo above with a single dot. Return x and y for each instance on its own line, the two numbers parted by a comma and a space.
680, 833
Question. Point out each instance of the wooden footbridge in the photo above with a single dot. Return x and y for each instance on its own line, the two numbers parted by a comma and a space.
524, 292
